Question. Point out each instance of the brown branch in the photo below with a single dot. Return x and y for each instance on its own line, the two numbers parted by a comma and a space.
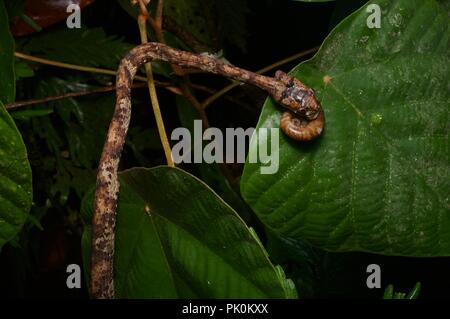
157, 21
168, 86
159, 15
157, 25
142, 23
19, 104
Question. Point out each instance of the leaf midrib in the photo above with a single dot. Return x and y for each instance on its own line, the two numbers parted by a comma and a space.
208, 248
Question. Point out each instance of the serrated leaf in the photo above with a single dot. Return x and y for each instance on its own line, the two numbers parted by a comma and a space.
67, 108
92, 47
73, 122
7, 79
176, 239
84, 119
15, 179
378, 178
96, 113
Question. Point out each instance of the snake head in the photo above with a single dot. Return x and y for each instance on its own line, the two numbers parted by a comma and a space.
310, 106
297, 97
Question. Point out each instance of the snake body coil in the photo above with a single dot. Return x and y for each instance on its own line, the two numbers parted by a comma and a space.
303, 121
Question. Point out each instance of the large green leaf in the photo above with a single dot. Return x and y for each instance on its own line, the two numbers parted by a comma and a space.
15, 179
7, 81
176, 238
378, 178
15, 172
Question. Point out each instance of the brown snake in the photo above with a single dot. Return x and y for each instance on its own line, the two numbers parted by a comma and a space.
303, 121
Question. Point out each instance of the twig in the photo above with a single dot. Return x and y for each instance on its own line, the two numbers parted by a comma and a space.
19, 104
70, 66
169, 86
82, 68
157, 24
157, 21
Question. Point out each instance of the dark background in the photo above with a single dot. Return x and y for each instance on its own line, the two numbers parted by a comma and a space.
275, 29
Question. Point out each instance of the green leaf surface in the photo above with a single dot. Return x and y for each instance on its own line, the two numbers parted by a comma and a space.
22, 70
15, 179
377, 180
175, 238
27, 114
92, 47
7, 80
413, 294
83, 119
389, 292
67, 162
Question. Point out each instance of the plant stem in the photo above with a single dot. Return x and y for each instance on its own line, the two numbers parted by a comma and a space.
83, 68
69, 66
157, 25
152, 90
19, 104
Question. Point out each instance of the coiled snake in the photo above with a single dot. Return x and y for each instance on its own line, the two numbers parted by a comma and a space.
303, 121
